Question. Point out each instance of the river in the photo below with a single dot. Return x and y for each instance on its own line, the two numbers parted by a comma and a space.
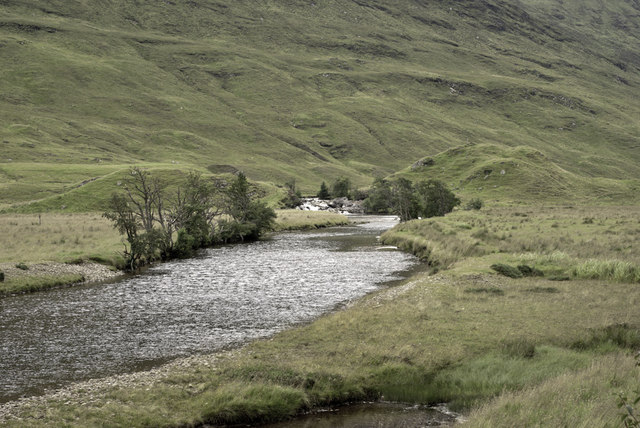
220, 299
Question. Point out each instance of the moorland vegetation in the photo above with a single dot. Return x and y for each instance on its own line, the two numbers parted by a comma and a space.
525, 112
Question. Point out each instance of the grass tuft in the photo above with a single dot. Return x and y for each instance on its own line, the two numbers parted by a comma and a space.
614, 270
507, 270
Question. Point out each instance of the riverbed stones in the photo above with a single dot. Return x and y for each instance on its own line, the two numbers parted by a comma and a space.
338, 205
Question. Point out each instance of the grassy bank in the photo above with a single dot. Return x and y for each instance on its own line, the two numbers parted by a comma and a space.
31, 284
303, 220
584, 242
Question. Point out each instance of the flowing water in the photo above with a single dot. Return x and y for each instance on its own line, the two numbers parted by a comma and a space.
222, 298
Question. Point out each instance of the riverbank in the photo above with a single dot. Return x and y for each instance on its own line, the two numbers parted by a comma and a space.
27, 278
57, 250
306, 220
506, 351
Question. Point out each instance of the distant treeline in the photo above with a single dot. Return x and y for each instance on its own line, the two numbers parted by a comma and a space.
158, 225
427, 198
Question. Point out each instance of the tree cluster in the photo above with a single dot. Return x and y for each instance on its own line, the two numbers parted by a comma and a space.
341, 188
157, 225
293, 198
428, 198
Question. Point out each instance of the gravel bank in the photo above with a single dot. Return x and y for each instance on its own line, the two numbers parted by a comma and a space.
92, 272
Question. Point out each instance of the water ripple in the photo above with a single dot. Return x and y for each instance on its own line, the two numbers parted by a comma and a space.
224, 297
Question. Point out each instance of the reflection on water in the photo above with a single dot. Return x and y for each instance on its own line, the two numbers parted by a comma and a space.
369, 415
220, 299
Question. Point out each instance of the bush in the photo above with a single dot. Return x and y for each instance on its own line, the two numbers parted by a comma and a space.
22, 266
185, 245
491, 290
529, 271
507, 270
474, 204
1, 276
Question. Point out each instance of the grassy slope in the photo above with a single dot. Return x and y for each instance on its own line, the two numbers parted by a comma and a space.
312, 91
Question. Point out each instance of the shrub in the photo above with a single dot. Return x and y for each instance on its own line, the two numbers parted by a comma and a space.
1, 276
474, 204
529, 271
559, 277
507, 270
491, 290
543, 290
22, 266
293, 198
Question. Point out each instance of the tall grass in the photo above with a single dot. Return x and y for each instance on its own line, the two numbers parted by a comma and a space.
612, 270
58, 237
581, 399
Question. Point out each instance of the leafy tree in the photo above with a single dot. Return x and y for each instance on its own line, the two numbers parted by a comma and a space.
341, 188
238, 198
250, 218
435, 199
379, 199
403, 200
324, 191
293, 197
194, 213
135, 213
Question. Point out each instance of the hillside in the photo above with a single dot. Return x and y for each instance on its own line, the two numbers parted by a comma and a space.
314, 90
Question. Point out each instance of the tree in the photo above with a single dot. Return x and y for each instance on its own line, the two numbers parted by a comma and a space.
238, 198
341, 188
403, 200
379, 199
324, 191
135, 214
250, 218
194, 213
435, 199
293, 197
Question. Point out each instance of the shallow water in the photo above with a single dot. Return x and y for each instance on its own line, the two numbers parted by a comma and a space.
368, 415
220, 299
